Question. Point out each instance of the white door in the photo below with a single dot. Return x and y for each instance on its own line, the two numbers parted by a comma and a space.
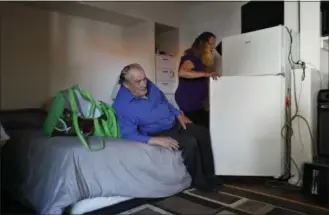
246, 117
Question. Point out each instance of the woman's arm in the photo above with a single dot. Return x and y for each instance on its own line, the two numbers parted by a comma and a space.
186, 71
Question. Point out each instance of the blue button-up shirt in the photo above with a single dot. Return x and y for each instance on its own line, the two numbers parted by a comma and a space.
140, 116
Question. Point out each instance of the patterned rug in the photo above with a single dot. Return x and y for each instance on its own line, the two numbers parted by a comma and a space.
229, 201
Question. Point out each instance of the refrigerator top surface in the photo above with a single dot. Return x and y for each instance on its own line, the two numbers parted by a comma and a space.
254, 53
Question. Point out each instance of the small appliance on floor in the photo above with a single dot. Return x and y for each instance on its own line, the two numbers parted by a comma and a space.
322, 126
316, 175
316, 182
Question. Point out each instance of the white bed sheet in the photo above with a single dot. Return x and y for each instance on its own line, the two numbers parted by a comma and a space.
88, 205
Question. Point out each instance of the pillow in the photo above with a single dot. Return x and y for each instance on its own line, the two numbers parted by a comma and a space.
115, 91
32, 118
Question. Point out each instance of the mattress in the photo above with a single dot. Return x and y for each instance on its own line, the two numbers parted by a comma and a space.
51, 174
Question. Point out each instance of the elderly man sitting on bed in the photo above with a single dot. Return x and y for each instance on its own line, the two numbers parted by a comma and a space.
146, 116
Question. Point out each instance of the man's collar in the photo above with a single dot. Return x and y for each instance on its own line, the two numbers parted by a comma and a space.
129, 95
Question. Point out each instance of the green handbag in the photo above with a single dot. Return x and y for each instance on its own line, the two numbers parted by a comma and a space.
75, 112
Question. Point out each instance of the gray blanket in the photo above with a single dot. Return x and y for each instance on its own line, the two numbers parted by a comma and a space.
50, 174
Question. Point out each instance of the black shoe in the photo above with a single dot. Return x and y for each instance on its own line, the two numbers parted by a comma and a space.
210, 188
206, 188
219, 186
209, 185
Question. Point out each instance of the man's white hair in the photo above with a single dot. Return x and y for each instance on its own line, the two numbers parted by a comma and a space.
122, 77
125, 71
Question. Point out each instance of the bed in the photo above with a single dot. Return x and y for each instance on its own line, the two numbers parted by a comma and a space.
53, 175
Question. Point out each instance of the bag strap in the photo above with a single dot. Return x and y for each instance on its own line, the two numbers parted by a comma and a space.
112, 120
55, 113
65, 128
107, 123
74, 110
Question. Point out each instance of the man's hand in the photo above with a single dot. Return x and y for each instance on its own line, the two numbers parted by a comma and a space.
165, 142
183, 120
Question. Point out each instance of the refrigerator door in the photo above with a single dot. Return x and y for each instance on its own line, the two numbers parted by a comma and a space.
246, 117
253, 53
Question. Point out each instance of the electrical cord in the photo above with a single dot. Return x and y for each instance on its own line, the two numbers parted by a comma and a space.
288, 124
303, 65
298, 122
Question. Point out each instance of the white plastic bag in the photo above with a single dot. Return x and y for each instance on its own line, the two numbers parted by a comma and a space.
85, 106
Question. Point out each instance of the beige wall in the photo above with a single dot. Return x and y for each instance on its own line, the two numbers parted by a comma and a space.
139, 46
220, 18
43, 52
165, 12
49, 51
25, 60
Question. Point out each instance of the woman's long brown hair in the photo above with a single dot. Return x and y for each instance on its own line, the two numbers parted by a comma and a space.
198, 46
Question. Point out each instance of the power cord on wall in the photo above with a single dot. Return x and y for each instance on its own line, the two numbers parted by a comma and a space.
289, 132
303, 65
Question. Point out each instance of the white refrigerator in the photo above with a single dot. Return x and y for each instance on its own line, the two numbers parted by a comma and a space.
247, 103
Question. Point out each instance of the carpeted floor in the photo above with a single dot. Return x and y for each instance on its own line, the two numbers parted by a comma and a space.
229, 200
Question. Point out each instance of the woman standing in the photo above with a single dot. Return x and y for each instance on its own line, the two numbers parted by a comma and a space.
195, 68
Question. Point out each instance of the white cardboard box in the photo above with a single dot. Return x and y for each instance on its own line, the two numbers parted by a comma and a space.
164, 62
167, 87
165, 74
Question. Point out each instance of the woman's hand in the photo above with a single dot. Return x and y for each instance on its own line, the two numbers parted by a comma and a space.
186, 71
213, 75
183, 120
